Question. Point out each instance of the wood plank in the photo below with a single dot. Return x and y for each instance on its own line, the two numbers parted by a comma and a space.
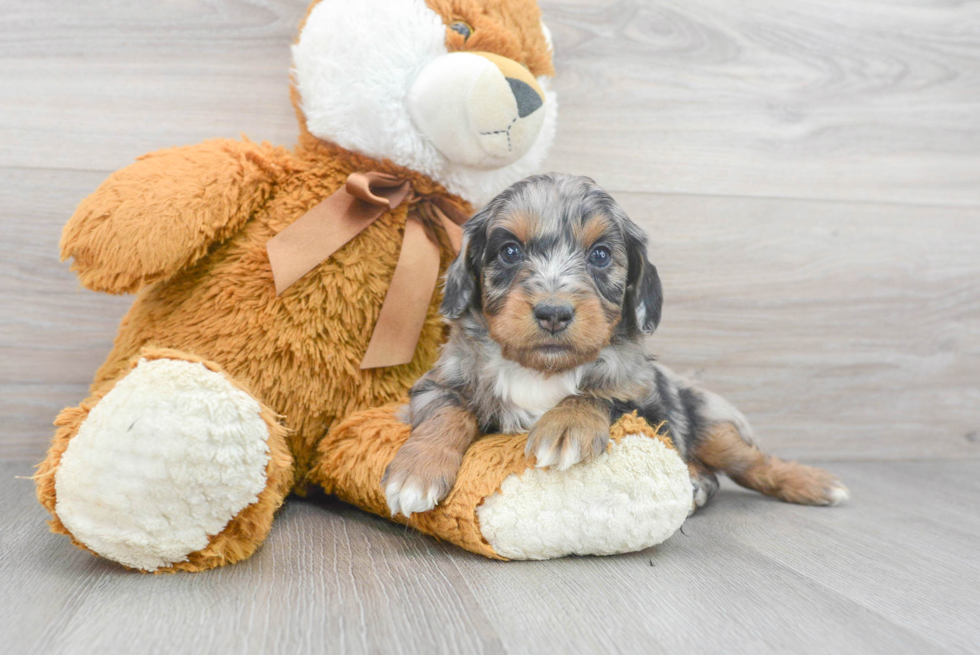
748, 575
320, 584
53, 333
840, 329
836, 99
92, 87
876, 562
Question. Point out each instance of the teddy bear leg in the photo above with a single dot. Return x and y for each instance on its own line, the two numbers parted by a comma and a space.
174, 466
633, 496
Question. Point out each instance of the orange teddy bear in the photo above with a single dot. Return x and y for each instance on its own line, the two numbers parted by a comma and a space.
280, 291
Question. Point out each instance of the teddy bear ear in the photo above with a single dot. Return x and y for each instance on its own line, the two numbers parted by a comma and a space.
463, 277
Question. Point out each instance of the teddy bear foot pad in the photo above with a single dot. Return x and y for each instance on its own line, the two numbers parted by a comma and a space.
161, 464
619, 503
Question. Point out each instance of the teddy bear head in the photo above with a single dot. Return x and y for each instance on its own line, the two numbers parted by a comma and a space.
457, 90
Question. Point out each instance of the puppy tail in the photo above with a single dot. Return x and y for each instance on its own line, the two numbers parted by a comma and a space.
729, 446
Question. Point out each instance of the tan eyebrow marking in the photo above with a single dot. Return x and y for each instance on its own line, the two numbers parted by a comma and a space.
594, 228
521, 225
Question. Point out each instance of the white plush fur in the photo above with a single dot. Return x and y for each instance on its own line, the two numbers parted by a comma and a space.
164, 461
634, 496
378, 48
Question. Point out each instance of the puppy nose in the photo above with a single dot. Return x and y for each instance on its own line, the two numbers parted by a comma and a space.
553, 317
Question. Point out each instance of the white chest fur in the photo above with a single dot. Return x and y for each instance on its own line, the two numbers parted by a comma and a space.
528, 394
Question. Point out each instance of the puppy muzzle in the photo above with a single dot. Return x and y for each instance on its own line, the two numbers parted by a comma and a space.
478, 109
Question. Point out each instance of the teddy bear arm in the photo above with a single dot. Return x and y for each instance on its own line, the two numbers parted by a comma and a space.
162, 213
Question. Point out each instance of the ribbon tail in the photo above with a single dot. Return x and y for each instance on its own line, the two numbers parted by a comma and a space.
317, 235
406, 304
453, 231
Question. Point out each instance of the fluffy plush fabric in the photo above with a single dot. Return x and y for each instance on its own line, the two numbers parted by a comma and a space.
379, 47
478, 90
635, 496
236, 540
168, 457
299, 352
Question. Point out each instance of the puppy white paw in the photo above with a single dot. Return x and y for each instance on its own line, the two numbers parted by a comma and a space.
419, 478
700, 495
807, 485
563, 437
561, 454
410, 497
838, 493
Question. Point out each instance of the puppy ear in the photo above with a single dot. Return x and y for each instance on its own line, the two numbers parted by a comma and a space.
462, 278
644, 294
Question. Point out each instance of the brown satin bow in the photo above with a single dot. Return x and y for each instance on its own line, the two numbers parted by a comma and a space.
325, 228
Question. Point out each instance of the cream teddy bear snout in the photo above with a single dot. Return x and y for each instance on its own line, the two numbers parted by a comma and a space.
478, 109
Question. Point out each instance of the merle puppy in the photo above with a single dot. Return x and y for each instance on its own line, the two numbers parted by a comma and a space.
549, 302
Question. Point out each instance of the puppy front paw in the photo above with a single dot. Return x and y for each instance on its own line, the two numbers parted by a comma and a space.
574, 431
418, 479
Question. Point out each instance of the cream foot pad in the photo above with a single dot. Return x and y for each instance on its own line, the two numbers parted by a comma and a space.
633, 497
161, 464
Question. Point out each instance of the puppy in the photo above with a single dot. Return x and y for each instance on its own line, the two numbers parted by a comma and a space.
549, 301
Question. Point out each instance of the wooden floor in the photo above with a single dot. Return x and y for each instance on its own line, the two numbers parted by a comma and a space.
809, 174
895, 572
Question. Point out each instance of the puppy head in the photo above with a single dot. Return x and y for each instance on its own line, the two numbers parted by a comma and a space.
556, 268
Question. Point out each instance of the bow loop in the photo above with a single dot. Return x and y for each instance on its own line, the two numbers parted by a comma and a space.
379, 189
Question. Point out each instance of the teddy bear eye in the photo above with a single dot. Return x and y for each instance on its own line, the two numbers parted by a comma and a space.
463, 28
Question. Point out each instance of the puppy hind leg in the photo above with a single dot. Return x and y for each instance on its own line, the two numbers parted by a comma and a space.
705, 484
722, 447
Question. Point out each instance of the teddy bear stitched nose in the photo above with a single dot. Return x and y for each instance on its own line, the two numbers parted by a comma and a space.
528, 100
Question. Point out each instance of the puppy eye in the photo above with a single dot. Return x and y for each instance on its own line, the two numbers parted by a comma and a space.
511, 253
600, 257
463, 28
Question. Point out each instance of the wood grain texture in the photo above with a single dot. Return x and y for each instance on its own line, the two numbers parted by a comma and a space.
893, 572
841, 328
836, 327
842, 99
91, 86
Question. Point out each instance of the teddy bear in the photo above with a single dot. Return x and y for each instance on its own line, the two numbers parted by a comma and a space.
282, 293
